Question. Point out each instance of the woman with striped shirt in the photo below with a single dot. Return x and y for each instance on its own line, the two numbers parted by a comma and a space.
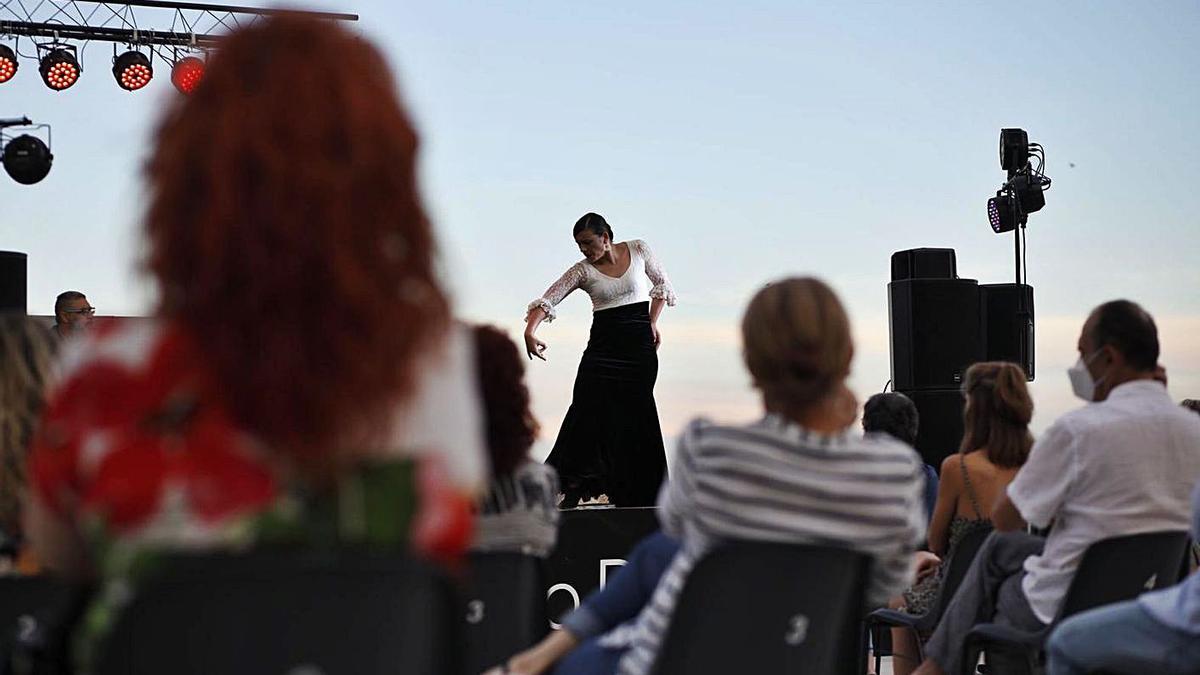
797, 475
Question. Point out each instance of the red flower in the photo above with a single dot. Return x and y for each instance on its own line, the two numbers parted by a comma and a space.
147, 428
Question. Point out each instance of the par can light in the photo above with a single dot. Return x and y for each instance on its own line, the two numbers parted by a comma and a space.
186, 74
132, 70
8, 63
1002, 213
59, 68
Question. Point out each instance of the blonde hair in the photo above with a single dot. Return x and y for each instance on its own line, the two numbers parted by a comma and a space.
997, 413
26, 356
796, 341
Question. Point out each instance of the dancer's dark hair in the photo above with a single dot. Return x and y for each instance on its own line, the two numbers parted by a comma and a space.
594, 222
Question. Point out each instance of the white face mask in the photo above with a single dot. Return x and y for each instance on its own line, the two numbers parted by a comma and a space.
1081, 379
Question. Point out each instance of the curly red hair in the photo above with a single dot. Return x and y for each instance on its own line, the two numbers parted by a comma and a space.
511, 427
288, 238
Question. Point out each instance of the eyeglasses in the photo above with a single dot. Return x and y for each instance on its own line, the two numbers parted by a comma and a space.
86, 311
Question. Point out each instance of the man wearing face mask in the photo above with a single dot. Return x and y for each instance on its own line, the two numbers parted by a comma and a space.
1123, 464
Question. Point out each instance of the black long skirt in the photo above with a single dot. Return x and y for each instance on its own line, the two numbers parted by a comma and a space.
610, 441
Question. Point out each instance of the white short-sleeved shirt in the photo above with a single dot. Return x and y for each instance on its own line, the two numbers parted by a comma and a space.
1122, 466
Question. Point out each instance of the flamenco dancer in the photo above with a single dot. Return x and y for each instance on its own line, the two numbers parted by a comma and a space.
610, 442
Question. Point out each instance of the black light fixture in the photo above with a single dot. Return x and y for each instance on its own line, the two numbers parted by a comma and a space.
27, 159
1002, 212
132, 70
59, 67
1014, 149
1024, 190
8, 63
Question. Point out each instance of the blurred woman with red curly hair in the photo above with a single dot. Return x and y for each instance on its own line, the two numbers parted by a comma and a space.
302, 347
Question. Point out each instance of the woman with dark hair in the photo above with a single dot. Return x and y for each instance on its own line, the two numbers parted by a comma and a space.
518, 513
610, 441
995, 444
302, 380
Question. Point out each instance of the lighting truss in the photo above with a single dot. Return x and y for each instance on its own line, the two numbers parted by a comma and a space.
156, 25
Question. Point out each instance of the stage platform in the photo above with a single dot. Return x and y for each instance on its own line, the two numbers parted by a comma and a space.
592, 544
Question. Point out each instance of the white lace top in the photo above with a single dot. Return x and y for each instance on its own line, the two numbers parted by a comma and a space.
644, 280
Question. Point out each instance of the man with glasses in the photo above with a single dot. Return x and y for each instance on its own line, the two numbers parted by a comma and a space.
72, 314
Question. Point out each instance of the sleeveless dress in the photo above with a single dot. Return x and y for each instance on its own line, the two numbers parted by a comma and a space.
610, 441
920, 597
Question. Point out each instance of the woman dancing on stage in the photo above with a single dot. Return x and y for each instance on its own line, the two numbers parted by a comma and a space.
610, 441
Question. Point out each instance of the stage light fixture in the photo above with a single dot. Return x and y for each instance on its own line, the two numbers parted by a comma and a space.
8, 63
1014, 149
59, 68
27, 159
132, 70
1002, 212
186, 74
1028, 189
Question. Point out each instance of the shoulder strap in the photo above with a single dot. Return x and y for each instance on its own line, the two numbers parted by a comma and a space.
962, 462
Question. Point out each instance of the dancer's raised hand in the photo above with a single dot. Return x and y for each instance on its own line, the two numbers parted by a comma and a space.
534, 347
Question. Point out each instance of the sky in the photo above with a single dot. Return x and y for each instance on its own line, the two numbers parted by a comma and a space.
745, 142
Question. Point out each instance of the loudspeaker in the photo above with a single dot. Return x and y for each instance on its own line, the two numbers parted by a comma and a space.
1007, 325
939, 423
924, 263
935, 332
12, 281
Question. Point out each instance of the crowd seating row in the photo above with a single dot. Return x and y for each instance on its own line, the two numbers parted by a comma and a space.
747, 607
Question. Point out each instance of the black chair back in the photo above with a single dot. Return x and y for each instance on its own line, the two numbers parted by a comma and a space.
1111, 570
960, 562
1121, 568
768, 608
26, 604
505, 607
288, 613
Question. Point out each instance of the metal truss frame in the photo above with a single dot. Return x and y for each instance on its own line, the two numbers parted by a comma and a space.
193, 26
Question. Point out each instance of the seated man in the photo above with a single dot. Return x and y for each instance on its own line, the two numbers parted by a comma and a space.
72, 314
1121, 466
1160, 631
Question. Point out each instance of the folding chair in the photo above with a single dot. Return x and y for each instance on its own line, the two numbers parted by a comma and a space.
1112, 570
26, 605
288, 613
505, 608
961, 559
768, 608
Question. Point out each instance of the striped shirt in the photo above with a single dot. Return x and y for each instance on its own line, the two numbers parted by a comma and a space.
776, 481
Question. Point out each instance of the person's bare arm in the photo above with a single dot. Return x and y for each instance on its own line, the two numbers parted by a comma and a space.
949, 486
534, 346
55, 543
1005, 516
540, 657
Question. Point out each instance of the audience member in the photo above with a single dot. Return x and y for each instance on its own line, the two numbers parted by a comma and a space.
26, 356
1122, 465
1191, 404
1158, 633
895, 414
996, 442
797, 475
618, 604
303, 379
72, 314
518, 513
